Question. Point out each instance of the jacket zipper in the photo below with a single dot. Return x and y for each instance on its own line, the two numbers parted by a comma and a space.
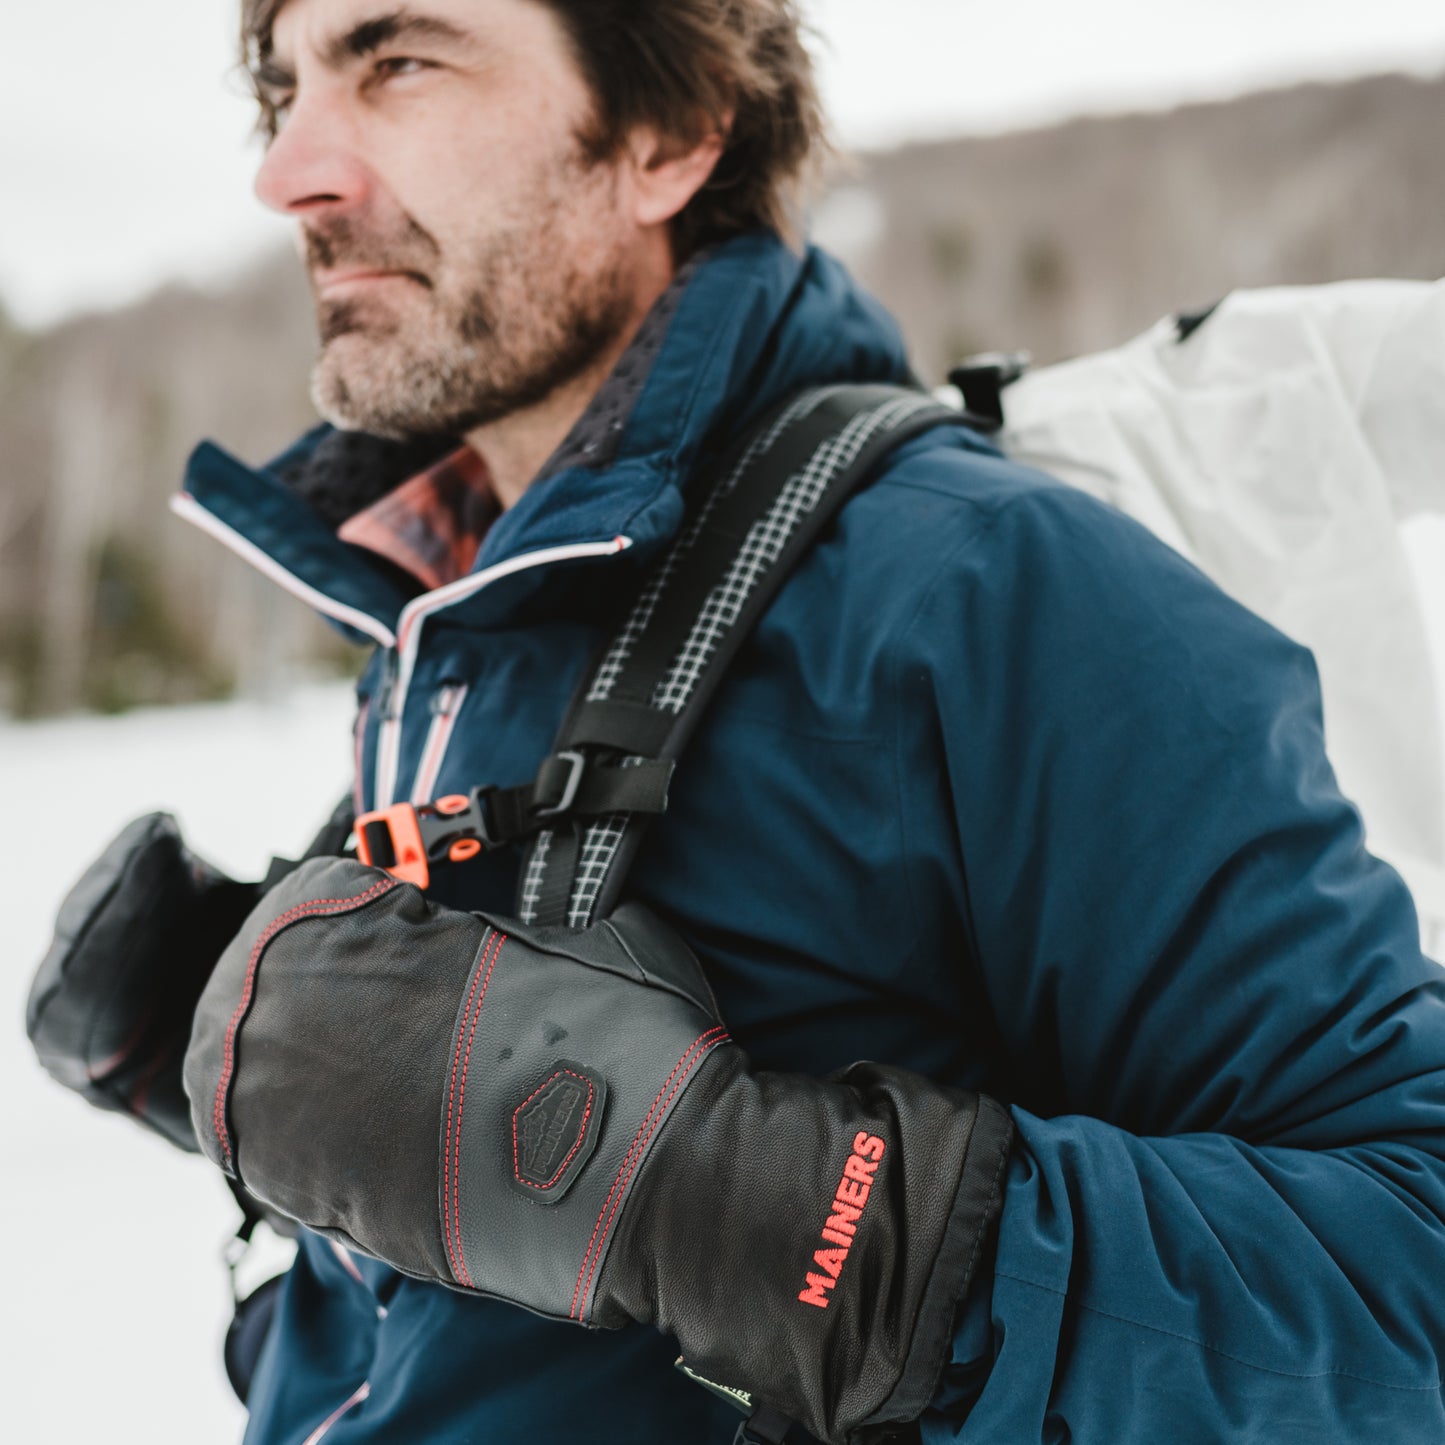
446, 703
408, 639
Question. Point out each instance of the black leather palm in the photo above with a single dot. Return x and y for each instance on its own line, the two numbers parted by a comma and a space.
559, 1119
110, 1008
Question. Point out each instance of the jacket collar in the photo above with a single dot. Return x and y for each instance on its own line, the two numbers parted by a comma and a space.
754, 322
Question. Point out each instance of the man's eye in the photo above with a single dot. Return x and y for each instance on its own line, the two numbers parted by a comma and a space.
391, 67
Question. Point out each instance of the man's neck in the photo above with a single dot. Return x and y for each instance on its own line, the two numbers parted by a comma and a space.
516, 447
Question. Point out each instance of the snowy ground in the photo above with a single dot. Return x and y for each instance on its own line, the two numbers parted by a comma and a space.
118, 1297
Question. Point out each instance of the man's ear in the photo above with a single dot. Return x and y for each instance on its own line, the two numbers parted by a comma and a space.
668, 173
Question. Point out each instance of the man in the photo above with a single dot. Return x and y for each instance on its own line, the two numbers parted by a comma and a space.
1001, 795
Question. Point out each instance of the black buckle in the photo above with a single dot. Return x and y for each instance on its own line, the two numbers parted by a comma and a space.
477, 820
576, 765
983, 379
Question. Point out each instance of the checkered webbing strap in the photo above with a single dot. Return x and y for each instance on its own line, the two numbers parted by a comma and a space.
641, 702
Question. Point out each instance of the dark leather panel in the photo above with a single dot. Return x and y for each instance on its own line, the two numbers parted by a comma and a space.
539, 1007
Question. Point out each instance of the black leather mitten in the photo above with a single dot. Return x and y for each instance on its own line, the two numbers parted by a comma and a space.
111, 1006
560, 1120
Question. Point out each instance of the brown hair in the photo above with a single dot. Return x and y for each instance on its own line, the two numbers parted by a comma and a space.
680, 66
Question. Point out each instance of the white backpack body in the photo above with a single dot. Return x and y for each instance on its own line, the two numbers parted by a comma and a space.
1279, 445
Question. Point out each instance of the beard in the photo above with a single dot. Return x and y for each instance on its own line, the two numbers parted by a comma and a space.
454, 343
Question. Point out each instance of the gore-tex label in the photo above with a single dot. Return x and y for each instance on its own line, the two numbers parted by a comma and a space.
849, 1201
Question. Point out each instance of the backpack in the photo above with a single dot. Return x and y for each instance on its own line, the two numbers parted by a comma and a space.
1279, 441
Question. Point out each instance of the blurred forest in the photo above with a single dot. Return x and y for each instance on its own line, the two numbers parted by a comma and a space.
1059, 241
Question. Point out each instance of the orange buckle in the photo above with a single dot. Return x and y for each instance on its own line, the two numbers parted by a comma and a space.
406, 839
391, 840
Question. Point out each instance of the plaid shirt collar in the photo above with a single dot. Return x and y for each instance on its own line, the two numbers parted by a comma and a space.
433, 525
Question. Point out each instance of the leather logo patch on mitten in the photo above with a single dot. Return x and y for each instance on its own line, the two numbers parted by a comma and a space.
554, 1130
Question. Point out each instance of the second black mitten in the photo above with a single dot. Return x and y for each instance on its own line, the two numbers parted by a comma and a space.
136, 939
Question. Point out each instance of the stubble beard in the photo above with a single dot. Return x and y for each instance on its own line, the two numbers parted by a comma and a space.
465, 341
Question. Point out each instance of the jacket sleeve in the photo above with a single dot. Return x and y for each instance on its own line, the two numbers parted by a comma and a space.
1225, 1052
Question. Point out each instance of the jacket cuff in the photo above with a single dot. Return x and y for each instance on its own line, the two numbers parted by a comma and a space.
966, 1251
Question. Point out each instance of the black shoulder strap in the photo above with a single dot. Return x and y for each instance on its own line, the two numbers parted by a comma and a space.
763, 506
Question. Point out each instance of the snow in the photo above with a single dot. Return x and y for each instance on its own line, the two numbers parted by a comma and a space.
118, 1296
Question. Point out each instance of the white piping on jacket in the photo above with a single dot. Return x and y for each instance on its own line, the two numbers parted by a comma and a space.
186, 506
438, 739
388, 751
362, 1393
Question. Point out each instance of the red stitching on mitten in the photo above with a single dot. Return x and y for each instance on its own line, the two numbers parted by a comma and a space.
488, 939
313, 908
97, 1072
700, 1046
453, 1164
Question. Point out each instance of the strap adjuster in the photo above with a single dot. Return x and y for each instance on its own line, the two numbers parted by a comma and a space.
576, 767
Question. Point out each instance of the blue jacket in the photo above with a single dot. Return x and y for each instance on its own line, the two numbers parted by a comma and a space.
1001, 790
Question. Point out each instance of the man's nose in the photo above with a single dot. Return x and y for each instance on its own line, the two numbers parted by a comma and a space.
312, 164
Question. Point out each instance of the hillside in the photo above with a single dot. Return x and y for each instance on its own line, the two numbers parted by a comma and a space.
1068, 239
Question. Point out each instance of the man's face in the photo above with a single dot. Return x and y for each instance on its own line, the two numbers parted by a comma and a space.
467, 257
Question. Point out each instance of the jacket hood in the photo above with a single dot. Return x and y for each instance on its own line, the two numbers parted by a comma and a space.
754, 323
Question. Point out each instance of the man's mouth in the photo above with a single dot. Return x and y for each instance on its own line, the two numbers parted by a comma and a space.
349, 280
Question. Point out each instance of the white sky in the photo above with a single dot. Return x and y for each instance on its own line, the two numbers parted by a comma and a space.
124, 157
